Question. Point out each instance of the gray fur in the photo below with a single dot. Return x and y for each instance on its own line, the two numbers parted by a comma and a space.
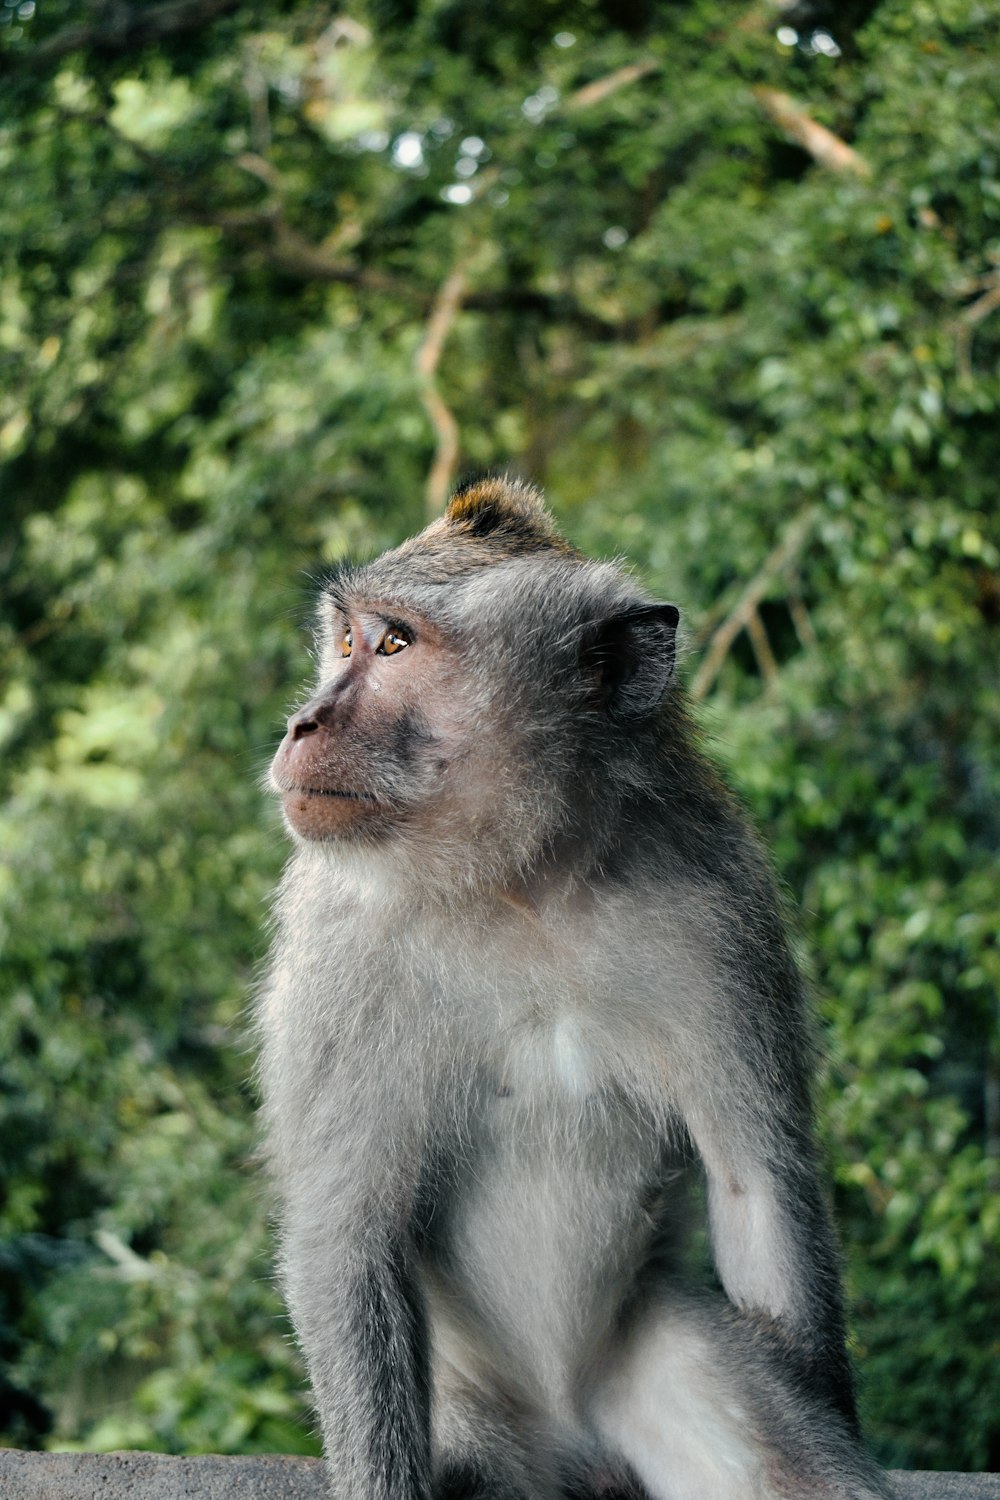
501, 1041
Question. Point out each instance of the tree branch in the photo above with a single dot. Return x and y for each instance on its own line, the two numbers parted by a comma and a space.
601, 88
823, 146
766, 662
266, 230
804, 627
293, 254
121, 28
745, 610
443, 315
971, 316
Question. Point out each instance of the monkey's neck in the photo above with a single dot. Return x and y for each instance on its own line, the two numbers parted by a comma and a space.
556, 884
522, 900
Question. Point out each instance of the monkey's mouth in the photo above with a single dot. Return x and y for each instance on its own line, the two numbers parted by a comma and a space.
332, 812
325, 791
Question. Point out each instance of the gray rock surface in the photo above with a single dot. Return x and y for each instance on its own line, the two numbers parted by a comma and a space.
154, 1476
926, 1485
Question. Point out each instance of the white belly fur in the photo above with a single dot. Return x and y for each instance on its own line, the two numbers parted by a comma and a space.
523, 1272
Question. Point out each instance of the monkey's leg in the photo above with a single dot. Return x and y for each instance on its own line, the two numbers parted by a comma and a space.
607, 1479
484, 1449
704, 1405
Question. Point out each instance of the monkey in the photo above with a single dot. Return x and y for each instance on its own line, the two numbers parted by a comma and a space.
532, 1025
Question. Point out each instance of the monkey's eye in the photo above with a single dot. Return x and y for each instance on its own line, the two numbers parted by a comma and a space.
393, 641
347, 642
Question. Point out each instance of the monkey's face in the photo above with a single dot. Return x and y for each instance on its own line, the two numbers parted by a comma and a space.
480, 689
374, 746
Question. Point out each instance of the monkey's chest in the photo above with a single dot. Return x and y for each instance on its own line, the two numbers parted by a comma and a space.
543, 1225
548, 1068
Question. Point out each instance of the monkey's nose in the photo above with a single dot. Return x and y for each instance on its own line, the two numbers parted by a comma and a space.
299, 728
306, 721
324, 711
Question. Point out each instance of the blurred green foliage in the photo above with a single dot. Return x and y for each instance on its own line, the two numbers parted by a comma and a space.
223, 227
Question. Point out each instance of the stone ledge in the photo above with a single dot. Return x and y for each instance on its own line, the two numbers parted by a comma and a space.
155, 1476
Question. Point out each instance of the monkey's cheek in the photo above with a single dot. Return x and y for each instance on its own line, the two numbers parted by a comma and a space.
327, 815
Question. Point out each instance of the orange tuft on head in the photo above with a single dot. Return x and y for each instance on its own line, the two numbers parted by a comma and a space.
506, 512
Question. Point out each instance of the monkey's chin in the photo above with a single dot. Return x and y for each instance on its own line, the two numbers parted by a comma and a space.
315, 814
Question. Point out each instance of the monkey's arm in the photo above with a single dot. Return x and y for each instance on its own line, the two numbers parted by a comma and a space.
359, 1319
745, 1096
773, 1242
346, 1148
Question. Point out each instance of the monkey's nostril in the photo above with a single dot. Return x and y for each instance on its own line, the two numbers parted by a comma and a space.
299, 725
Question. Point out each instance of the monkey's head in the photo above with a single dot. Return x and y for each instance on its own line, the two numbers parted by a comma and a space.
484, 692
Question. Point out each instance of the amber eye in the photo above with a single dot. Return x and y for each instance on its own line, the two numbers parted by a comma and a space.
393, 641
346, 643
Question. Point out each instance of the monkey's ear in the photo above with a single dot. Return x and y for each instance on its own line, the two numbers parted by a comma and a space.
631, 656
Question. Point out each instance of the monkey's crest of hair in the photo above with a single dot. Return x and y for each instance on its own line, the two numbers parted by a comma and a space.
507, 512
488, 521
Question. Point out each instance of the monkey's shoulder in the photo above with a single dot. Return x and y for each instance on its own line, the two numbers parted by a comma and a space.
592, 969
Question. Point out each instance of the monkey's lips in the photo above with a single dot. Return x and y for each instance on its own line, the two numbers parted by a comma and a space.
319, 812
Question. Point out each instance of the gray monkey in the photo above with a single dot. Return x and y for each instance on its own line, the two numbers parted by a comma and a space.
530, 1002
